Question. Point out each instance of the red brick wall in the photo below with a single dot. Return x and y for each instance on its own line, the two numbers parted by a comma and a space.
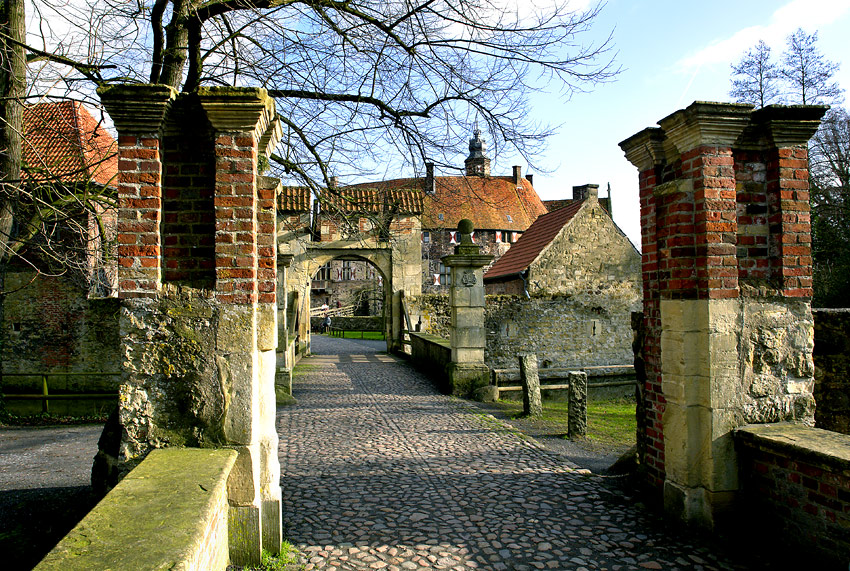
652, 407
790, 220
236, 219
188, 227
808, 503
140, 205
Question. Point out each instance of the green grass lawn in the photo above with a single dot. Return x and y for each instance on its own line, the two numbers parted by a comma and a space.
610, 423
376, 335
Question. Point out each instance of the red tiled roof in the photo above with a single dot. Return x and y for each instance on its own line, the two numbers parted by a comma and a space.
487, 201
374, 198
532, 242
294, 199
63, 142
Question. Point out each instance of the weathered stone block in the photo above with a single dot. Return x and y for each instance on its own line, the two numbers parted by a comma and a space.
272, 525
238, 374
246, 542
266, 327
237, 328
465, 379
243, 485
577, 407
532, 403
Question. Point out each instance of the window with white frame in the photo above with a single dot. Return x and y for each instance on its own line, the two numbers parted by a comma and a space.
445, 275
324, 273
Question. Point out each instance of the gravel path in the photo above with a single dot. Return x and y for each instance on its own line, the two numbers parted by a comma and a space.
382, 472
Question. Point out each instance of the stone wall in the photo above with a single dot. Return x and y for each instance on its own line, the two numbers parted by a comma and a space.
431, 355
832, 369
563, 331
430, 312
51, 326
592, 261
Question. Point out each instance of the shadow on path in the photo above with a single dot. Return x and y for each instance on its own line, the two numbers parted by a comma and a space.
379, 471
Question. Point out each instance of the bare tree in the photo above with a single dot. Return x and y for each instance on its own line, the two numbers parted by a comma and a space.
755, 78
829, 160
359, 84
807, 72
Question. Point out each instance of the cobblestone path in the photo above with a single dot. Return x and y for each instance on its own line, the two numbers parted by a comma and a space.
382, 472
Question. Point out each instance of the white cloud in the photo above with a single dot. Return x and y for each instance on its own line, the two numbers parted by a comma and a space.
807, 14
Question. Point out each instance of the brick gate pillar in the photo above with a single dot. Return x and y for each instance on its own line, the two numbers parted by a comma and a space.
727, 287
467, 371
244, 125
138, 113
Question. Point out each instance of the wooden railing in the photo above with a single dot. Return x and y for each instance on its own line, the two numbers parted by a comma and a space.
45, 397
509, 379
344, 311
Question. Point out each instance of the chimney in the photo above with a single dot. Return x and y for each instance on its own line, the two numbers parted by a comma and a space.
332, 182
586, 192
517, 175
430, 187
530, 178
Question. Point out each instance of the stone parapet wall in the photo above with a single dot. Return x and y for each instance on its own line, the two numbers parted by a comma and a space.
832, 369
797, 479
169, 513
431, 354
563, 331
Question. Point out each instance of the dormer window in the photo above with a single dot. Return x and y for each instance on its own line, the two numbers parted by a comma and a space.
439, 216
509, 218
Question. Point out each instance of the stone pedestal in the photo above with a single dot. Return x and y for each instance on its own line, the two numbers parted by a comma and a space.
726, 263
467, 372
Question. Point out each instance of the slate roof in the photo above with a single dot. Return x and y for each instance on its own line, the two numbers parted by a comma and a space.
487, 201
374, 198
294, 199
64, 143
539, 235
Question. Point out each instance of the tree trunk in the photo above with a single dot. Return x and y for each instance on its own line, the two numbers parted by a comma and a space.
12, 90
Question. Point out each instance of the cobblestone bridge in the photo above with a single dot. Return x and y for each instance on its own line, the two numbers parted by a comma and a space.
382, 472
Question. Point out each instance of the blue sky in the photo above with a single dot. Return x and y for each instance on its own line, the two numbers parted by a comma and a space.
673, 53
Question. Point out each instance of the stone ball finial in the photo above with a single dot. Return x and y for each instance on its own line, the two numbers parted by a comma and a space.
465, 226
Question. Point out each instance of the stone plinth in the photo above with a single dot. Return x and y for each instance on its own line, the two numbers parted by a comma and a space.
726, 264
467, 372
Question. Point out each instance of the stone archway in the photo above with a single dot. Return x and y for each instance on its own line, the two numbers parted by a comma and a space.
390, 265
370, 257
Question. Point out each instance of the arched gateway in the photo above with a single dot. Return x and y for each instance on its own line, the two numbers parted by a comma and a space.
380, 227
